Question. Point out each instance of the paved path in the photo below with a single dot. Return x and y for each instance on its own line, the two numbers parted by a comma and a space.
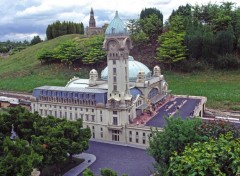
89, 159
122, 159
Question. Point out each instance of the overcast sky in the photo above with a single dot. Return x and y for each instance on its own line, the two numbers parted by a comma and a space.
23, 19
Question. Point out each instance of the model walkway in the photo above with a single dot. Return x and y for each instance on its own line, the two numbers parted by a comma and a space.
89, 159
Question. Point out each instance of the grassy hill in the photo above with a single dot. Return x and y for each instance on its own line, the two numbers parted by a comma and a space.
23, 72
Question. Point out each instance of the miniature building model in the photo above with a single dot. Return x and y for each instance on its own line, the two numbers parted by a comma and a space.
116, 105
92, 29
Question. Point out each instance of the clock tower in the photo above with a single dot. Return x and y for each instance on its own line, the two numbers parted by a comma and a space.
117, 43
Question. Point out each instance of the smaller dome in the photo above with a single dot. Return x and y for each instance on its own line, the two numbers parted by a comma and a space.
116, 27
93, 71
156, 67
134, 67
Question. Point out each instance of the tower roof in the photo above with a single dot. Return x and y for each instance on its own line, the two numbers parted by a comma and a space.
116, 27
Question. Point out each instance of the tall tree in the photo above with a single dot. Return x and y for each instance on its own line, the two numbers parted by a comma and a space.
172, 48
36, 40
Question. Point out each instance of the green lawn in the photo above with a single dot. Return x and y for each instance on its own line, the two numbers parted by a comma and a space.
222, 89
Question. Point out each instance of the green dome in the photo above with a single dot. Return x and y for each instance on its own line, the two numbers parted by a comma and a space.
116, 27
133, 68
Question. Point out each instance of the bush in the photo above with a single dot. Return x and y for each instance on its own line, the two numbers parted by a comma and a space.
191, 65
227, 61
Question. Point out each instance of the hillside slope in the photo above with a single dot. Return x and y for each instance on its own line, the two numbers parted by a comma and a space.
23, 71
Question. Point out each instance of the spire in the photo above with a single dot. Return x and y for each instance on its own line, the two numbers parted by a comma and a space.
92, 22
116, 14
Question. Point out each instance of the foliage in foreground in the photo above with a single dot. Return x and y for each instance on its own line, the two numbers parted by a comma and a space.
54, 140
214, 157
180, 134
18, 158
104, 172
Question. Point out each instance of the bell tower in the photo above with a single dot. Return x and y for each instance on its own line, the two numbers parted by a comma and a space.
92, 22
117, 43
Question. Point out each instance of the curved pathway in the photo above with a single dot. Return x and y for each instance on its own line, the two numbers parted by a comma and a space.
89, 159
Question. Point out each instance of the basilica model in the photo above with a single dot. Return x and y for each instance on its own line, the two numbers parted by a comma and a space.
110, 105
92, 29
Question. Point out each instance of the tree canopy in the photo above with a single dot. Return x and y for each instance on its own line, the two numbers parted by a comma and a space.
81, 51
46, 141
214, 157
177, 143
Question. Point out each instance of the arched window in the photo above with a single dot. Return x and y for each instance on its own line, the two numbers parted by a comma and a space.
152, 93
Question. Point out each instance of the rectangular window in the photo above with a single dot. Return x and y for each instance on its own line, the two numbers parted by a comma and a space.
100, 111
136, 133
60, 114
66, 115
130, 132
114, 62
55, 113
82, 116
93, 135
114, 71
93, 118
115, 121
144, 134
115, 112
115, 87
100, 118
75, 109
130, 139
115, 79
70, 108
144, 141
136, 140
86, 109
70, 116
101, 129
115, 135
87, 117
92, 110
76, 116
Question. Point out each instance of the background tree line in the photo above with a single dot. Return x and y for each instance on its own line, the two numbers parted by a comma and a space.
58, 28
194, 37
13, 46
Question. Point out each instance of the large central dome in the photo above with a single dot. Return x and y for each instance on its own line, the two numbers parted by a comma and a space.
133, 67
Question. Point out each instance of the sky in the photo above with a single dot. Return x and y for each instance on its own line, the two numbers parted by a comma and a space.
22, 19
